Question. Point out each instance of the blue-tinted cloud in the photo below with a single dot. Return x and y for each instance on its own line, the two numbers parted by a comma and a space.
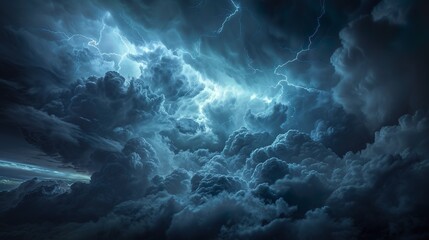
188, 129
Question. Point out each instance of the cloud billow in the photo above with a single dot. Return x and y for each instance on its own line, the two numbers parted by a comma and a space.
206, 142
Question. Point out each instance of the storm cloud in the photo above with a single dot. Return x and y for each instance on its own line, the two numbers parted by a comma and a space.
214, 119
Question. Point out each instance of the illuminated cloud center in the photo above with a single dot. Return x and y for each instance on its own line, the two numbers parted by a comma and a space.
116, 52
214, 120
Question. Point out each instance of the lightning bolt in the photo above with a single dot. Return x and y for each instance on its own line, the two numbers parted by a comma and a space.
229, 17
95, 42
125, 54
237, 9
298, 54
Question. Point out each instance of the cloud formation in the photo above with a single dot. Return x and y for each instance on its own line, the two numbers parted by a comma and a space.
174, 109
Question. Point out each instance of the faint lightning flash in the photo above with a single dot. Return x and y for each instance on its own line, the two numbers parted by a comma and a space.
228, 18
94, 43
296, 58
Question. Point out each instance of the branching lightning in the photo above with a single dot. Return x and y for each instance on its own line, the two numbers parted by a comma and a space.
230, 16
125, 54
95, 42
212, 91
298, 54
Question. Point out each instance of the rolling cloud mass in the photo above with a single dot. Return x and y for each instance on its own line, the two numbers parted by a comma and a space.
200, 119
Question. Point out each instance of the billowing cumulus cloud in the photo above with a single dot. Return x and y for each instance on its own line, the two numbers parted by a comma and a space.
214, 119
271, 121
382, 87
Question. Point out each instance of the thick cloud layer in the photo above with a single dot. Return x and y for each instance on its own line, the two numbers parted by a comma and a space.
383, 86
217, 119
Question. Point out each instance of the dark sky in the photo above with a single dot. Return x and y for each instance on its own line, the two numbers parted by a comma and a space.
214, 119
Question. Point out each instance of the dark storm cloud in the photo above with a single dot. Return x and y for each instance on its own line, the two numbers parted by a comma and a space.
30, 41
242, 142
199, 144
259, 36
10, 199
382, 63
78, 120
273, 120
311, 188
124, 176
317, 113
55, 136
392, 165
293, 146
270, 171
192, 160
95, 99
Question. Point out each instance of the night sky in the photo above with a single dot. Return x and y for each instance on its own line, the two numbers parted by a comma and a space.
214, 119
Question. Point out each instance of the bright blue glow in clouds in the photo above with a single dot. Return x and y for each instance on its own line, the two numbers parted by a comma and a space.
196, 121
